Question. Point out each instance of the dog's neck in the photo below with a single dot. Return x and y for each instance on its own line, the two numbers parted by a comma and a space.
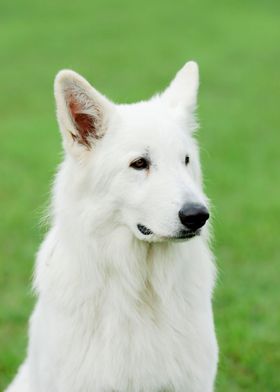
117, 252
96, 266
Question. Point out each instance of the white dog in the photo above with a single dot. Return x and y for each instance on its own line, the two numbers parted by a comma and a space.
124, 277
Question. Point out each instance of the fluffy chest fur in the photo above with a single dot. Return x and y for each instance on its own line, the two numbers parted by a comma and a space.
144, 328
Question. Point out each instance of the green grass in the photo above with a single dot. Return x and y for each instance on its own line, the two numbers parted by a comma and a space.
130, 50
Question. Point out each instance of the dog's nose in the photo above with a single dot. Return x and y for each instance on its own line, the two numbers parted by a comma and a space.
193, 216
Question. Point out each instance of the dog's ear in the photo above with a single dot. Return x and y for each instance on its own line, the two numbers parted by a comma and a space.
82, 111
181, 94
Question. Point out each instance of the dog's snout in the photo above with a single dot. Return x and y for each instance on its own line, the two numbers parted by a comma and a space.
193, 216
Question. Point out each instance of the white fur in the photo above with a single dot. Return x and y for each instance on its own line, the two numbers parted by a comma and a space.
117, 310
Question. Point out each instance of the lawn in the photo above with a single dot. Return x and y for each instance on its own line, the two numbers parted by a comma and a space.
130, 50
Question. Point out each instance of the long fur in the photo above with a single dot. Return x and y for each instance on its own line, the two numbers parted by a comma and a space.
118, 311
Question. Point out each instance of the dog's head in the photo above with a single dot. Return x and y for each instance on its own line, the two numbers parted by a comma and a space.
138, 163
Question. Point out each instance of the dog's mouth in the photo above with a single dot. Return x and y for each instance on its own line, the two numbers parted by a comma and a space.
186, 234
144, 230
182, 235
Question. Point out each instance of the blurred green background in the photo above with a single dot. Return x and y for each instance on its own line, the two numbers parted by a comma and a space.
129, 50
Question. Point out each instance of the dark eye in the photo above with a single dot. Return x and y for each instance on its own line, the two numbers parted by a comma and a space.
140, 164
187, 159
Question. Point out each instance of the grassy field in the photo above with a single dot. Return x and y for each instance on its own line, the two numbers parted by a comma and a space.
130, 50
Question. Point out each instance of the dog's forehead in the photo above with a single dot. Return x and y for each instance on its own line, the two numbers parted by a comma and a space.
152, 125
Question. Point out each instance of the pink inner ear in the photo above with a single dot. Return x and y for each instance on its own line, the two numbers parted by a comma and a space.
84, 123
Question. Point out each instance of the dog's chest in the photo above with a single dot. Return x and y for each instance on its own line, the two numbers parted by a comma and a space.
128, 336
147, 351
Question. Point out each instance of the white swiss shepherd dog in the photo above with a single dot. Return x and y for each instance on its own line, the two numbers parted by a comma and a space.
125, 275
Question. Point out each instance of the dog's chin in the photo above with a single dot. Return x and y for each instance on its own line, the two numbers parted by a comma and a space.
146, 234
183, 235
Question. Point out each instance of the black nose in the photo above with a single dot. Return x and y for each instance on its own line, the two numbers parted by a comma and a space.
193, 216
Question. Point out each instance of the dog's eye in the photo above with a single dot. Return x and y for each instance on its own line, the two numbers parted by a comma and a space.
140, 164
187, 159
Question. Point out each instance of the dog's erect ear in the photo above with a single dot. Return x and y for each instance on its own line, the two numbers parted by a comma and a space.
182, 92
82, 111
